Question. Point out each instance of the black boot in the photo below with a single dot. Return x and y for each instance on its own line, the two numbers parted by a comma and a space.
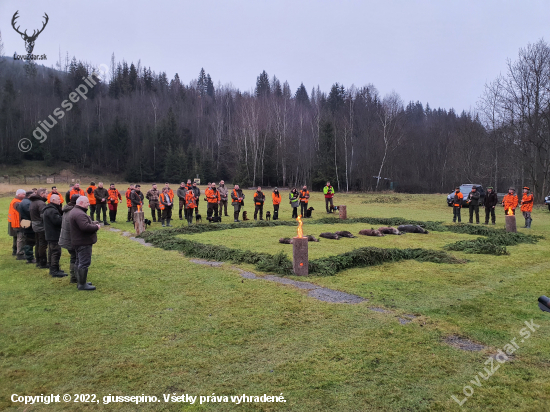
56, 273
163, 225
236, 216
168, 224
73, 274
105, 223
82, 277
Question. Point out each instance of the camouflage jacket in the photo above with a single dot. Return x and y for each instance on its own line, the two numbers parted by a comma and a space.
153, 195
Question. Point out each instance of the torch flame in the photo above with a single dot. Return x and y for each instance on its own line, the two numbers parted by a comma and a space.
300, 223
139, 208
509, 212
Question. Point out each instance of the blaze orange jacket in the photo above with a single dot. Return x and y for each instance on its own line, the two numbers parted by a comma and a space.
161, 199
114, 195
58, 194
527, 203
510, 201
276, 198
79, 192
259, 198
190, 200
458, 197
128, 201
13, 215
304, 196
211, 196
90, 194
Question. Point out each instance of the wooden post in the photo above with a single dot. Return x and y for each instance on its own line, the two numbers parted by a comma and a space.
139, 222
300, 256
343, 212
511, 223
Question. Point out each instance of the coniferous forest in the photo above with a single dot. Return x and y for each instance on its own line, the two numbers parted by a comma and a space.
148, 127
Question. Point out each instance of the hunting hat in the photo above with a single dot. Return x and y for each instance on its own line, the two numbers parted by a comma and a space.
458, 187
512, 188
526, 187
490, 187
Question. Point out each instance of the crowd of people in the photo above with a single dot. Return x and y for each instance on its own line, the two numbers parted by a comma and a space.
41, 226
510, 202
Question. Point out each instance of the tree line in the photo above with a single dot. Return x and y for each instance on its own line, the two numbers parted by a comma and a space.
151, 128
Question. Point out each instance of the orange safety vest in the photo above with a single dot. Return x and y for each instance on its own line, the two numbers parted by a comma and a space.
91, 196
303, 197
114, 194
170, 192
459, 196
276, 198
60, 197
190, 200
79, 192
211, 197
13, 215
237, 197
170, 195
527, 203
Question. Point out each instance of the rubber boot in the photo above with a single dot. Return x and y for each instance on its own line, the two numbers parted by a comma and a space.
168, 224
526, 224
73, 274
235, 216
163, 225
56, 273
82, 277
529, 223
105, 223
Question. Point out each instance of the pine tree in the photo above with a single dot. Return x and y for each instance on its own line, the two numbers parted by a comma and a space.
209, 86
201, 83
263, 89
301, 95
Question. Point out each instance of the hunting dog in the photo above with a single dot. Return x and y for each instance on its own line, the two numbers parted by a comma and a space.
198, 218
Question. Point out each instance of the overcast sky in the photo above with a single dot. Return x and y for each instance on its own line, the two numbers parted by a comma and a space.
436, 51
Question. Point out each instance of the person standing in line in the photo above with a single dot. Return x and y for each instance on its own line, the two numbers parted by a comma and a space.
304, 199
328, 191
136, 198
197, 193
38, 202
14, 228
213, 199
129, 203
65, 237
68, 193
77, 191
237, 201
190, 205
166, 205
259, 200
92, 199
55, 192
276, 197
473, 204
527, 206
101, 195
457, 204
153, 196
510, 202
83, 237
180, 193
491, 201
52, 228
294, 202
224, 193
114, 197
170, 191
26, 225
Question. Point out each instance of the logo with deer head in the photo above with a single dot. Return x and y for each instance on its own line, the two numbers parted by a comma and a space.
29, 40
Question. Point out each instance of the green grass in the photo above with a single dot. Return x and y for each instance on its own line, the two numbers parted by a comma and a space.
159, 324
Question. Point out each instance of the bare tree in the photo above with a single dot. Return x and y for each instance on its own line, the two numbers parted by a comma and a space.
391, 119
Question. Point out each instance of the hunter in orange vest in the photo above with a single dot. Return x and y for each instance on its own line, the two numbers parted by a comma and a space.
510, 201
213, 197
112, 202
527, 207
129, 203
55, 192
14, 225
190, 205
276, 197
166, 203
304, 199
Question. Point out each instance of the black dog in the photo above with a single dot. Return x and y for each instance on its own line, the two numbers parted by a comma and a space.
308, 212
214, 219
333, 208
198, 218
268, 215
147, 222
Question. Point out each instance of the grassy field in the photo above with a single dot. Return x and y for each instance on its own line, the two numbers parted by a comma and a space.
159, 324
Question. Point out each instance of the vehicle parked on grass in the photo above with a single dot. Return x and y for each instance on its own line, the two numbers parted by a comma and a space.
547, 201
465, 189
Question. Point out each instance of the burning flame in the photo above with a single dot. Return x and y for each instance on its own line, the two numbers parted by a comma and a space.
300, 231
509, 212
139, 208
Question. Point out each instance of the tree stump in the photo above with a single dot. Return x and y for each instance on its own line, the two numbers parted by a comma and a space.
300, 256
139, 222
511, 223
343, 212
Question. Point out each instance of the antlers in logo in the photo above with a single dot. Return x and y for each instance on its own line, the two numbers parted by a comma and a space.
29, 40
